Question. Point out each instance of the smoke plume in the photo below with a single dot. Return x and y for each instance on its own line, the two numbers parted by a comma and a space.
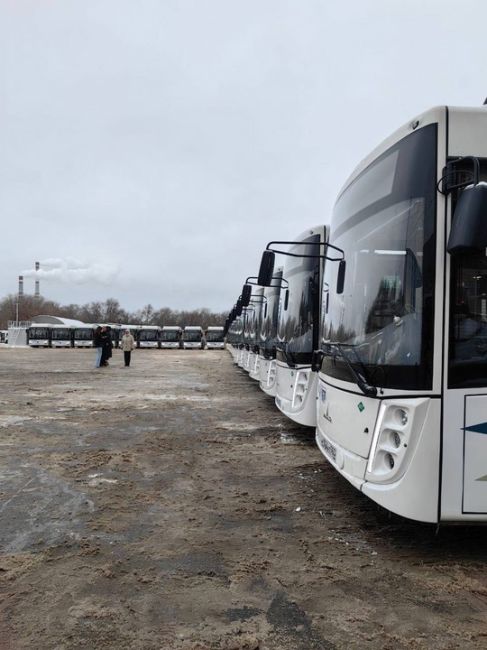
70, 270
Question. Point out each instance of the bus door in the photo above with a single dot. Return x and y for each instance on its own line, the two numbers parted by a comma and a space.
464, 466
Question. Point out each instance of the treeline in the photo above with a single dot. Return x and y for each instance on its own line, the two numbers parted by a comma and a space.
109, 311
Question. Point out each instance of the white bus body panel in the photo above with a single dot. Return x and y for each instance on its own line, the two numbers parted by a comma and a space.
254, 371
240, 357
60, 344
355, 432
148, 344
296, 393
233, 351
248, 361
39, 343
192, 345
268, 375
215, 345
170, 344
83, 344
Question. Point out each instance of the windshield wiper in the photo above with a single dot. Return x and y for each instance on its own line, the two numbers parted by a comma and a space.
287, 355
361, 379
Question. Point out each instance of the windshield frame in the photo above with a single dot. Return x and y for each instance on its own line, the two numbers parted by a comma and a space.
299, 318
405, 195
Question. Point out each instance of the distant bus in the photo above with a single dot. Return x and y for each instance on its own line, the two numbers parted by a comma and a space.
193, 337
83, 336
148, 336
61, 336
39, 336
170, 337
215, 338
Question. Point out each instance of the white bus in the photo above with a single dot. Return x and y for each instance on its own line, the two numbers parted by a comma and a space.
254, 317
170, 337
39, 336
147, 336
215, 338
402, 399
299, 322
61, 336
268, 334
193, 337
83, 336
234, 335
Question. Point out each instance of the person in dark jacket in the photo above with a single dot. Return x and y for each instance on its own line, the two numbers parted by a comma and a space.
106, 345
97, 343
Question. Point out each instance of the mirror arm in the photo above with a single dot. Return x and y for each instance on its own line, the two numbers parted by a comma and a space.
303, 255
252, 279
316, 360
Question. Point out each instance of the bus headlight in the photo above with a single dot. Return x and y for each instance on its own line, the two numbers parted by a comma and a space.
395, 430
402, 416
300, 388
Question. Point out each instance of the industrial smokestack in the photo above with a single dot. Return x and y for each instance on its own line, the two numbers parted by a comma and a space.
21, 285
38, 288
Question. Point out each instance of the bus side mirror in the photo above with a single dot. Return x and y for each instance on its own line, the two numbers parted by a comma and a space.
341, 276
266, 269
246, 293
469, 224
286, 299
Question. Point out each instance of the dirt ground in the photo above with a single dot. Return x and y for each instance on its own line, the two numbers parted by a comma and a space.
171, 506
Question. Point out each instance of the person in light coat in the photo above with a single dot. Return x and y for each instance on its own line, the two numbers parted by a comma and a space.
128, 344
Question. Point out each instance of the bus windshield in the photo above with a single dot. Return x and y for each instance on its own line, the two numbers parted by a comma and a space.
270, 315
83, 334
192, 335
148, 335
172, 336
39, 333
385, 222
214, 337
61, 333
296, 334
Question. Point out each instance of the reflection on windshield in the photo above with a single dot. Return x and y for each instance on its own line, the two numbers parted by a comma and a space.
270, 315
192, 336
214, 337
171, 337
38, 332
299, 314
235, 332
61, 334
84, 334
386, 310
148, 335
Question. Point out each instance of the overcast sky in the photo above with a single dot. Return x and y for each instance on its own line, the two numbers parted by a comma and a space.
153, 147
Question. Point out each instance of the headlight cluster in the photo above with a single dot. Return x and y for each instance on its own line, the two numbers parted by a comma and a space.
389, 444
300, 387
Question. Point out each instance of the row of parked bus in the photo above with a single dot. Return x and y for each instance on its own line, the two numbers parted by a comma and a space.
146, 336
373, 329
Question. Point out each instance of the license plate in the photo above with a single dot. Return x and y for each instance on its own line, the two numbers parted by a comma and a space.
329, 449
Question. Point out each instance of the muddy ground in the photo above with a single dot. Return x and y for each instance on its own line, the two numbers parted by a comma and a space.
170, 505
